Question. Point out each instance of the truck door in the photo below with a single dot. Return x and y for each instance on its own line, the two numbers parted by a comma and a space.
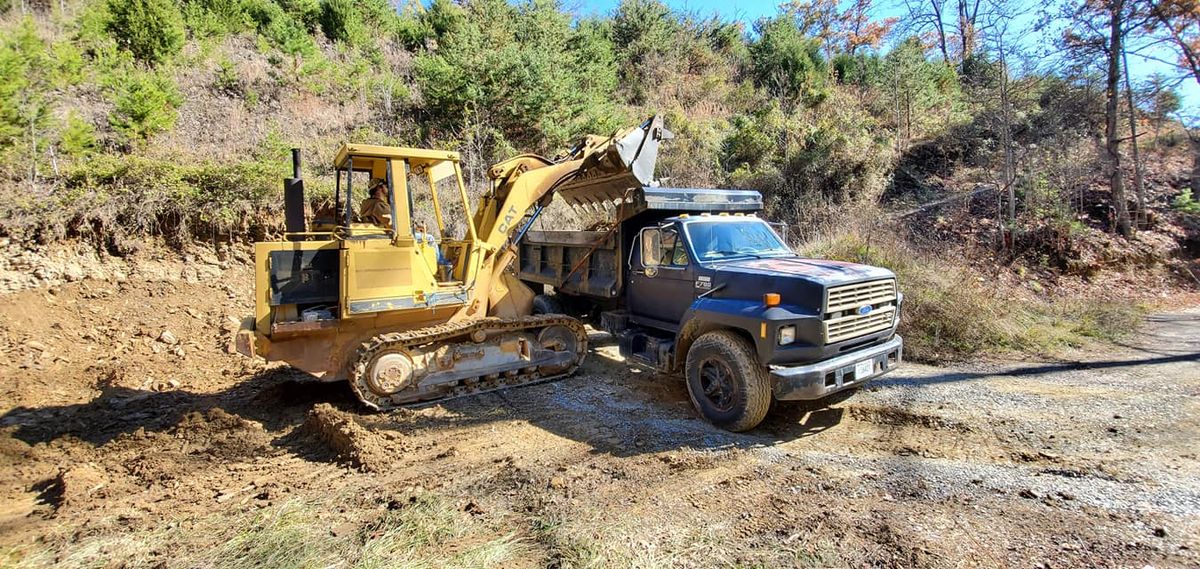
660, 287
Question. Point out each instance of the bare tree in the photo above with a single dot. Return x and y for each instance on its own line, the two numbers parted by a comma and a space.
1112, 143
1096, 28
927, 16
1139, 184
968, 15
1003, 42
951, 23
1177, 23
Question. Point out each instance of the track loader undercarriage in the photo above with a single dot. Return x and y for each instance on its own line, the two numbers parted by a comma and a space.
452, 360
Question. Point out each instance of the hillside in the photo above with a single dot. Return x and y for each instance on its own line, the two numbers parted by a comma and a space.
1045, 413
135, 129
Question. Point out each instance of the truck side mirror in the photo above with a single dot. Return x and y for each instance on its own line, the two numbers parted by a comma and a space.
651, 247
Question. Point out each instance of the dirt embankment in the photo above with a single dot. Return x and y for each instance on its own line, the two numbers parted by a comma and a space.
132, 436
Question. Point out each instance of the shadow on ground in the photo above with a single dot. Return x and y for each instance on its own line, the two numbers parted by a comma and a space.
613, 408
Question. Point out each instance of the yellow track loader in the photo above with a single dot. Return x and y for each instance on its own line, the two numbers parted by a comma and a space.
414, 301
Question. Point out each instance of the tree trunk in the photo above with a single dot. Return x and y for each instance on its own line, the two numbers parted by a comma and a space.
1139, 184
966, 30
1009, 174
941, 31
1195, 144
1112, 144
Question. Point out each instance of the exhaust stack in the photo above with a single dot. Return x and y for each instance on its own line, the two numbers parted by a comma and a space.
293, 199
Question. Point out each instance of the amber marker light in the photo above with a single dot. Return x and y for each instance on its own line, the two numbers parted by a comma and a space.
771, 299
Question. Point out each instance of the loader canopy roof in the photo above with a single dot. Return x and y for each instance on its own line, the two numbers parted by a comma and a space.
414, 156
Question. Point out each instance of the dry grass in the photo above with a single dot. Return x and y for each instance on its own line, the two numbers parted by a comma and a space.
953, 311
426, 533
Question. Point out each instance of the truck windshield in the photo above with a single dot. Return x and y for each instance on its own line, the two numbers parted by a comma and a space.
716, 240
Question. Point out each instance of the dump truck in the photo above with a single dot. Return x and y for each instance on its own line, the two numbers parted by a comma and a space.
692, 281
411, 312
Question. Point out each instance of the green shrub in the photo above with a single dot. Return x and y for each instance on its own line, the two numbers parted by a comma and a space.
26, 81
145, 105
78, 137
753, 140
68, 64
215, 18
341, 21
786, 63
152, 30
1185, 202
227, 79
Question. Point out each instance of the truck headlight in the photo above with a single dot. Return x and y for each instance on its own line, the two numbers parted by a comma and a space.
787, 335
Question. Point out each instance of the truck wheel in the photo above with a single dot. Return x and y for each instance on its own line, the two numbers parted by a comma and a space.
726, 383
546, 304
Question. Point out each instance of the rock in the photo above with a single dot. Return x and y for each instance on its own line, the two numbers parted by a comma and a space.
168, 338
36, 345
73, 273
1160, 532
208, 272
473, 508
1028, 494
558, 482
79, 483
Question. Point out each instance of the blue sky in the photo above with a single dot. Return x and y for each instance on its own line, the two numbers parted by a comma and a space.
749, 11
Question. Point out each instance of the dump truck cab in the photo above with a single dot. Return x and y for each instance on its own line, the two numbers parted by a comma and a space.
692, 281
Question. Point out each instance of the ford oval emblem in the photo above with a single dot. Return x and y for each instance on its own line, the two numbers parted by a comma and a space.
865, 310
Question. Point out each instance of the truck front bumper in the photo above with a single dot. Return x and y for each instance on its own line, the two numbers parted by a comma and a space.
823, 378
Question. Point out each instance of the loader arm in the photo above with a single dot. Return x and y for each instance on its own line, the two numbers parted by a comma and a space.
614, 164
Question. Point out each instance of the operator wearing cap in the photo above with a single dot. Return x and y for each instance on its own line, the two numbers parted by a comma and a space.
376, 209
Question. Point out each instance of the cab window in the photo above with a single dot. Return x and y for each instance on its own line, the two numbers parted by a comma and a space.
662, 247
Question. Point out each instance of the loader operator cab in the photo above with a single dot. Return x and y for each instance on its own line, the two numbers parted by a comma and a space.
383, 252
411, 193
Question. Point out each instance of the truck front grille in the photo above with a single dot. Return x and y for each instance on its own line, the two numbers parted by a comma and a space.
842, 304
853, 326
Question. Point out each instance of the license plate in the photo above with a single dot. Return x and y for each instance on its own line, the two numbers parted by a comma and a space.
863, 370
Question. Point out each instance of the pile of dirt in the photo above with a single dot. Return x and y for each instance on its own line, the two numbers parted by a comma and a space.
222, 435
351, 442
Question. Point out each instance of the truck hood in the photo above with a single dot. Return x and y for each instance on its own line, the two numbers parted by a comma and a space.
801, 282
828, 273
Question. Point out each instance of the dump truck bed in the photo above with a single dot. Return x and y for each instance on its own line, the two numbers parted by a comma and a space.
590, 263
628, 203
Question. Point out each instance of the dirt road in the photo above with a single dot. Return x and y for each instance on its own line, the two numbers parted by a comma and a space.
118, 450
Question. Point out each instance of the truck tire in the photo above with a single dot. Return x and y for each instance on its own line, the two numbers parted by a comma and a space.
726, 383
546, 304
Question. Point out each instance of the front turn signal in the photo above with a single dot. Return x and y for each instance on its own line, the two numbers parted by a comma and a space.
771, 299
